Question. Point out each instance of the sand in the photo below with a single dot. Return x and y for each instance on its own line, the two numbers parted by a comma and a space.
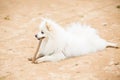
19, 20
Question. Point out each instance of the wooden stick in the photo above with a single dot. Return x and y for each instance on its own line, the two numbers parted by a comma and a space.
38, 47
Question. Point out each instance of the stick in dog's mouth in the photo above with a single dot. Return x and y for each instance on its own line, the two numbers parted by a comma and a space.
33, 59
40, 38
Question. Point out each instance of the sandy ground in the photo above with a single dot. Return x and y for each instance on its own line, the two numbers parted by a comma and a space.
17, 42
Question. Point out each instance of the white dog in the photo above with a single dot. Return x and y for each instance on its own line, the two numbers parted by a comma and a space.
59, 43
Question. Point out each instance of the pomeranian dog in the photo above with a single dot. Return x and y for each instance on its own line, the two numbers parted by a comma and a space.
75, 40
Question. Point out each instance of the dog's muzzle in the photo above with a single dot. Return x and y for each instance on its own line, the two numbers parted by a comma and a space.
39, 38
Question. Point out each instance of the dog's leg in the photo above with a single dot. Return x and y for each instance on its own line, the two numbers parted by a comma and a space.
54, 57
112, 45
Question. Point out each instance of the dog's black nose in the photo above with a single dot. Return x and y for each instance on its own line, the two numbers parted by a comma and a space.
36, 35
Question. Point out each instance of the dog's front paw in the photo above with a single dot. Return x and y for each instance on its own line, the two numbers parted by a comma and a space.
40, 61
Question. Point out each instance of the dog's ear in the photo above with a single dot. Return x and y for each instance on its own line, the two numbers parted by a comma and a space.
48, 26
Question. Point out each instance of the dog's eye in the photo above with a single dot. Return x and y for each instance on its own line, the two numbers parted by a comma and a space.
42, 32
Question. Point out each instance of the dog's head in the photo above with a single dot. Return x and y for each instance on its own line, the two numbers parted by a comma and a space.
45, 29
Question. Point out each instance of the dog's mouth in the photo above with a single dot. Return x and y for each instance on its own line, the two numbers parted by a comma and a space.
41, 38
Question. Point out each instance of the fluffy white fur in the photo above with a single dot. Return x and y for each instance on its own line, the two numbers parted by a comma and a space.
60, 43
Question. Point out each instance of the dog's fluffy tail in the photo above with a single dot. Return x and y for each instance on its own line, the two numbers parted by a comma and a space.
111, 45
